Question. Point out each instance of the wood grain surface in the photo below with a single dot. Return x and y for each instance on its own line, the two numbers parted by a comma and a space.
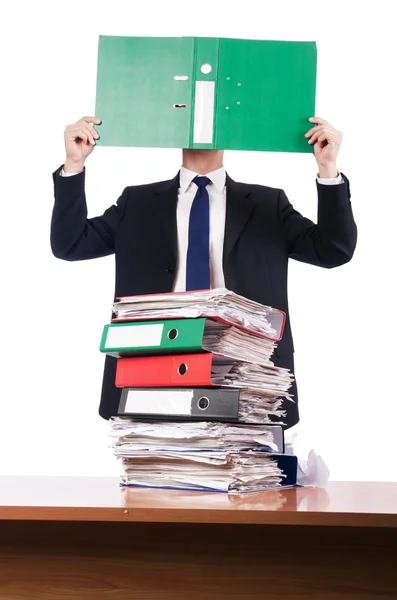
165, 561
358, 504
86, 538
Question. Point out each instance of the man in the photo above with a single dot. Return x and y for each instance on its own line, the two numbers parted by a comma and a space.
251, 231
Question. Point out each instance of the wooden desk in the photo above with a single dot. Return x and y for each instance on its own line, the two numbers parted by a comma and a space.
64, 538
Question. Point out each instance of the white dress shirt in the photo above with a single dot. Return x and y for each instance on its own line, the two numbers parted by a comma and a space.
217, 196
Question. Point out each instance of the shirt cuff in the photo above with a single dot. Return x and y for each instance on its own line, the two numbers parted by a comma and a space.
330, 180
63, 174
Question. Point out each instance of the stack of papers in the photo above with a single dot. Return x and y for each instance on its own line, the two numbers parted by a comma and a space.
210, 470
235, 343
153, 435
201, 403
267, 378
218, 303
198, 456
257, 407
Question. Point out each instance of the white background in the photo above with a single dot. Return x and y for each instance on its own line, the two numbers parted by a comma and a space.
343, 319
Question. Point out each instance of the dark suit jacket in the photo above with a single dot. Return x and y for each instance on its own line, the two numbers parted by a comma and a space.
262, 232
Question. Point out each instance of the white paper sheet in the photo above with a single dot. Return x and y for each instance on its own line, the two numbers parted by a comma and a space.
219, 302
312, 469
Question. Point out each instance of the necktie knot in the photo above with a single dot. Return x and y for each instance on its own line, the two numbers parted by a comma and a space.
201, 181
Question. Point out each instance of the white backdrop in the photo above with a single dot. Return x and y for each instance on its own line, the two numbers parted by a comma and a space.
343, 320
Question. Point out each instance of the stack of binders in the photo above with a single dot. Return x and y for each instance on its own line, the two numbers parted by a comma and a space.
199, 393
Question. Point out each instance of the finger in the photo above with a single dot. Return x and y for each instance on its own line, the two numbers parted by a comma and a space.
321, 131
324, 138
80, 136
318, 120
314, 137
88, 134
313, 130
91, 120
74, 129
83, 134
91, 130
74, 133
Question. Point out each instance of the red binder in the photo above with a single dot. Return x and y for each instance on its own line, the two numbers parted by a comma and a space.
164, 371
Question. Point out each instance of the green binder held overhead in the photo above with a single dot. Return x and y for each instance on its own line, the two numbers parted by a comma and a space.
210, 93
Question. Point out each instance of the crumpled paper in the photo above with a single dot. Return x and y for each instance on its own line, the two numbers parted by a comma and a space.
312, 469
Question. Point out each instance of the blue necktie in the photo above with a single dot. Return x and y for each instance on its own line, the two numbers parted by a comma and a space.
198, 252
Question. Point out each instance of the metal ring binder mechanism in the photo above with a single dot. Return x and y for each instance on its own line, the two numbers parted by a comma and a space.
214, 93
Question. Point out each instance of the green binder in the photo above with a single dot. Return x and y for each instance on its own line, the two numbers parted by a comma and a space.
171, 336
214, 93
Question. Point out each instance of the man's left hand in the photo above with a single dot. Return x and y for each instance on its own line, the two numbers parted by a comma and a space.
326, 141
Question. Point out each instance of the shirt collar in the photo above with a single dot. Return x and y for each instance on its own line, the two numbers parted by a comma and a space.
217, 177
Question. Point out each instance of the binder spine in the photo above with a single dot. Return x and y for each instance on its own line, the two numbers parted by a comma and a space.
170, 336
190, 403
205, 75
182, 370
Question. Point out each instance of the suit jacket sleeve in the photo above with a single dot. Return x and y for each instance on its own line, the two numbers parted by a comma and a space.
332, 241
73, 235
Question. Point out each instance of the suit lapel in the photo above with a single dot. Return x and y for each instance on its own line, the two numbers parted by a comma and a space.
164, 209
239, 207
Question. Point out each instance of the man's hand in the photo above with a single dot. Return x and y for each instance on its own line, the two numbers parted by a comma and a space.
79, 143
327, 141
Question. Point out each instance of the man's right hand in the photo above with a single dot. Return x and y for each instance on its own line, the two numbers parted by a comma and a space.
79, 143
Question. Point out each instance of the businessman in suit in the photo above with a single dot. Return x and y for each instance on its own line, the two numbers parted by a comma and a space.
250, 232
